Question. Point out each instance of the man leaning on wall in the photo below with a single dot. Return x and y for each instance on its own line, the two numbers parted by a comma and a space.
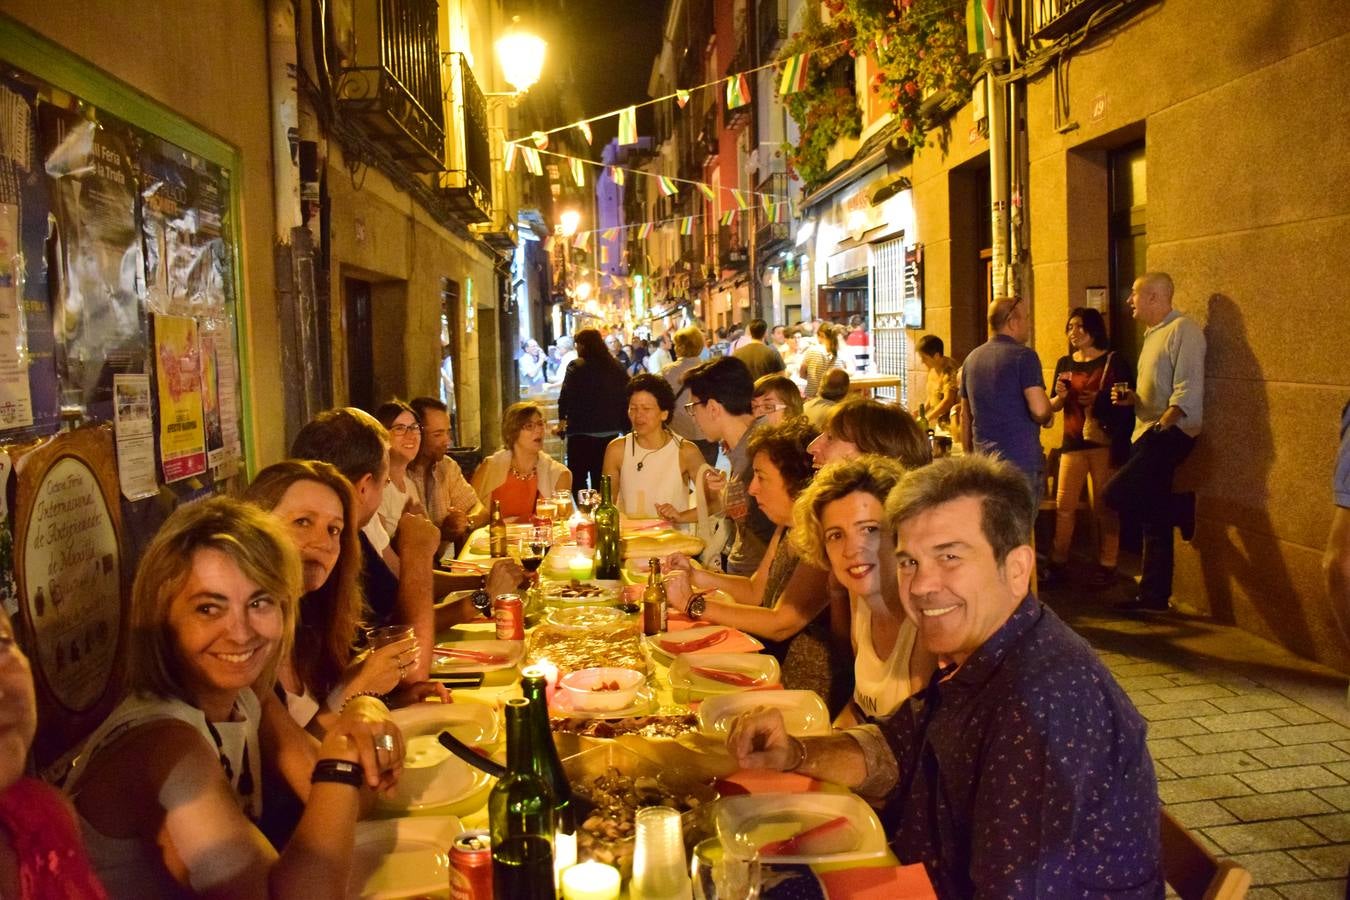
1336, 561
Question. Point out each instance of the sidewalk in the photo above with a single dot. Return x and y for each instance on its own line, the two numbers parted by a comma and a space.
1251, 743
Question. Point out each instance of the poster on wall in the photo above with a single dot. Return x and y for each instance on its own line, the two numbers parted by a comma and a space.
178, 381
220, 406
187, 267
135, 431
97, 316
16, 403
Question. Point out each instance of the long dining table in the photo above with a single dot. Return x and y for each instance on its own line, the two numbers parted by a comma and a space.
690, 757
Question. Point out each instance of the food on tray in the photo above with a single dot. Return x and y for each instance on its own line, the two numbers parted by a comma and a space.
674, 647
834, 836
576, 590
643, 726
607, 833
661, 544
739, 679
571, 649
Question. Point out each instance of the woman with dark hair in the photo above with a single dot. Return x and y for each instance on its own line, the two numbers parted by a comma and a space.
317, 508
1096, 438
521, 472
862, 425
785, 594
820, 359
652, 468
777, 399
401, 493
591, 407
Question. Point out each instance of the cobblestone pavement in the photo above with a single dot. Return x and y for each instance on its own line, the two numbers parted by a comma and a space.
1251, 743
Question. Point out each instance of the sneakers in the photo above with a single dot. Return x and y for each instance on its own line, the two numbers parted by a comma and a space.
1184, 514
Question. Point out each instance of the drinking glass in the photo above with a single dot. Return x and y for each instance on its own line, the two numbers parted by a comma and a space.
563, 500
534, 547
587, 500
546, 509
385, 635
723, 872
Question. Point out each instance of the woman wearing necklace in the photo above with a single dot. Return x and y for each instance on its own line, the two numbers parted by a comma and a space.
169, 787
521, 471
652, 468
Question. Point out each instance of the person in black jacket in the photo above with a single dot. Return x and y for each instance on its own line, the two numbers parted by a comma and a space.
592, 407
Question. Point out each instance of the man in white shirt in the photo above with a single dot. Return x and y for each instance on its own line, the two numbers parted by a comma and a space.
1169, 410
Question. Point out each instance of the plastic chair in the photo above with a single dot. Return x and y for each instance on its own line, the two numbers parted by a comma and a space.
1195, 873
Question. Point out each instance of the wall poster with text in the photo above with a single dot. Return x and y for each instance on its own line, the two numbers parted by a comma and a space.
178, 382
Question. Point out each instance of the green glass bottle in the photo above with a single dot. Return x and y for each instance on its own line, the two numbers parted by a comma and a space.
607, 557
521, 818
922, 420
544, 752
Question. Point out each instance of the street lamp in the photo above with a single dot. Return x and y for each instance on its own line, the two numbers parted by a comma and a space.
521, 56
570, 220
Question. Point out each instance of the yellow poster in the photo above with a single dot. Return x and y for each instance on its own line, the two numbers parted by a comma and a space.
178, 378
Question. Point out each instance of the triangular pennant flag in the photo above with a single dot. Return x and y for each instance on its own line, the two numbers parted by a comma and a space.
604, 254
741, 202
795, 71
609, 234
628, 125
586, 130
645, 230
727, 217
578, 172
616, 174
682, 97
509, 151
707, 190
667, 186
738, 90
580, 240
766, 201
540, 139
532, 163
687, 225
780, 212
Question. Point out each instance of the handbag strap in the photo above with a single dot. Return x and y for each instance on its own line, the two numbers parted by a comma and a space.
701, 500
1101, 381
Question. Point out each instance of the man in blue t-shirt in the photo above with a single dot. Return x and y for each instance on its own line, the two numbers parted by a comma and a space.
1336, 562
1003, 394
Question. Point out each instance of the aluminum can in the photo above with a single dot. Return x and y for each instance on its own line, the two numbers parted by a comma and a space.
509, 613
585, 534
471, 867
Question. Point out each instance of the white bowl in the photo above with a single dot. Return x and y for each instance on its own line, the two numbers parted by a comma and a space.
580, 687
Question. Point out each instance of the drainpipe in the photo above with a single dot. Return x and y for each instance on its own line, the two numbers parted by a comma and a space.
281, 63
999, 136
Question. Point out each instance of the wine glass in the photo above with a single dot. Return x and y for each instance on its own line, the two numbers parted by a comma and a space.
534, 547
563, 500
587, 500
724, 872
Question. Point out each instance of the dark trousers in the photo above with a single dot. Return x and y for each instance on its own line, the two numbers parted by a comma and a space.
586, 457
1143, 488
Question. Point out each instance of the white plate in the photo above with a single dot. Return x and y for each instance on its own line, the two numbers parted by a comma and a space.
397, 858
584, 617
471, 721
736, 639
513, 651
609, 588
760, 666
432, 778
643, 705
804, 712
763, 818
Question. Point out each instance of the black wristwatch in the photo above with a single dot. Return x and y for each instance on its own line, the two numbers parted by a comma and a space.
482, 601
697, 607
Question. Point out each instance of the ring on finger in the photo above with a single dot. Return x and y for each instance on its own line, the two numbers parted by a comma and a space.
385, 742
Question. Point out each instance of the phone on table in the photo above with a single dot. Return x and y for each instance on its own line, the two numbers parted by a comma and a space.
459, 679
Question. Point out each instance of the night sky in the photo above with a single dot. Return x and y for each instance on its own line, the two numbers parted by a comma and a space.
611, 45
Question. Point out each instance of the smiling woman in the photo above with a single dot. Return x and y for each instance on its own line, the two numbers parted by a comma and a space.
168, 787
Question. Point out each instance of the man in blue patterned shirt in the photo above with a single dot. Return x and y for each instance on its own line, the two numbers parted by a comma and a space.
1022, 770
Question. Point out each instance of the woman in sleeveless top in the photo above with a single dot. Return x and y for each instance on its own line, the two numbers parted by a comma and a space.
316, 507
521, 471
167, 788
840, 522
401, 491
651, 468
785, 595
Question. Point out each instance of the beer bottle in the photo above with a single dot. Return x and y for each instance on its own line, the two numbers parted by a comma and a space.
497, 531
654, 601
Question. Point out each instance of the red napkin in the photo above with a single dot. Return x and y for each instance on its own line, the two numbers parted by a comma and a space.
880, 882
765, 781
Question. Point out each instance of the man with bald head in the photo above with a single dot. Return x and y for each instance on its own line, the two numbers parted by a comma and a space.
1168, 409
1003, 392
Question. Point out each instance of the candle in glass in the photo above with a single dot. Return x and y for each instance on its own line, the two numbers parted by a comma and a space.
591, 881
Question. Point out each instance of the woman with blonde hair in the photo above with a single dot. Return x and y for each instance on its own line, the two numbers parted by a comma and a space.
520, 472
861, 425
168, 788
777, 399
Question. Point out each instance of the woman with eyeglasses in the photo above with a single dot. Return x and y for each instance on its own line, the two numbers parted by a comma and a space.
651, 468
521, 472
405, 440
777, 399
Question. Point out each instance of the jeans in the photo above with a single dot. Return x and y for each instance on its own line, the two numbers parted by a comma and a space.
1075, 467
586, 458
1143, 487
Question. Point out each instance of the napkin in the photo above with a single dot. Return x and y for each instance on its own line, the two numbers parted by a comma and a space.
879, 882
766, 781
734, 642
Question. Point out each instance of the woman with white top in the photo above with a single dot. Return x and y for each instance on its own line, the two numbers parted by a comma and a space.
820, 359
651, 468
169, 787
401, 493
840, 523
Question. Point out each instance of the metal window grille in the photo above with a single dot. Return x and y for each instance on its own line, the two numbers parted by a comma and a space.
890, 341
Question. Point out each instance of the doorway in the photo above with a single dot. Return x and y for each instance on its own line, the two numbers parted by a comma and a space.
1127, 189
357, 311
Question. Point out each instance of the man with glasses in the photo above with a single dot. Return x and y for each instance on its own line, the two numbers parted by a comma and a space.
449, 499
1003, 394
723, 392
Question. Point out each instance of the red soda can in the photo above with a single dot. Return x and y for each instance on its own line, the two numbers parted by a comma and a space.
471, 867
539, 521
585, 534
509, 613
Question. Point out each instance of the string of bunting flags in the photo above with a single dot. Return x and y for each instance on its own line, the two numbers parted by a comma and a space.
667, 184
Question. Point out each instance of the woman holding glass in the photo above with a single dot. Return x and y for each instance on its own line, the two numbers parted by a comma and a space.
168, 788
521, 472
651, 468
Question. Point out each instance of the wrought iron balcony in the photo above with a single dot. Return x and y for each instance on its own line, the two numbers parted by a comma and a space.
772, 20
1054, 18
390, 78
731, 255
466, 183
770, 234
708, 144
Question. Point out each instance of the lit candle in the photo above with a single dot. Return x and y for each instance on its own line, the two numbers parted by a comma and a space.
591, 881
564, 853
580, 567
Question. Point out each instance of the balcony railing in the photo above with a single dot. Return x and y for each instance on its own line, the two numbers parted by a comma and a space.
731, 255
768, 233
708, 144
772, 20
466, 183
390, 78
1053, 18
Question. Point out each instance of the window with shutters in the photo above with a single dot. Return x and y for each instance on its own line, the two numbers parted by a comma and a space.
889, 291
